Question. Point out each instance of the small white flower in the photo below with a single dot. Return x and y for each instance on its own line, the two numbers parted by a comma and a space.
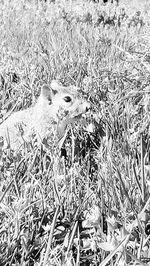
92, 217
90, 128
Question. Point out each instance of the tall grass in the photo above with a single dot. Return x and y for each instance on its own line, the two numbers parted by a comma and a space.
93, 209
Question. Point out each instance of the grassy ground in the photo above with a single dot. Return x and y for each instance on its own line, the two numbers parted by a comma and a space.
97, 210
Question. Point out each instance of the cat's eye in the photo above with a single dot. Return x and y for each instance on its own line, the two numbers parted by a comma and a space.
67, 99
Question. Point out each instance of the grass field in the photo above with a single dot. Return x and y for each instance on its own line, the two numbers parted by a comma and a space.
97, 210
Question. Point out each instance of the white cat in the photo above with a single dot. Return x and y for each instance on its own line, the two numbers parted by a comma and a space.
55, 108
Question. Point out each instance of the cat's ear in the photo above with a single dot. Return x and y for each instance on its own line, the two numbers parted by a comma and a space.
48, 93
45, 92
